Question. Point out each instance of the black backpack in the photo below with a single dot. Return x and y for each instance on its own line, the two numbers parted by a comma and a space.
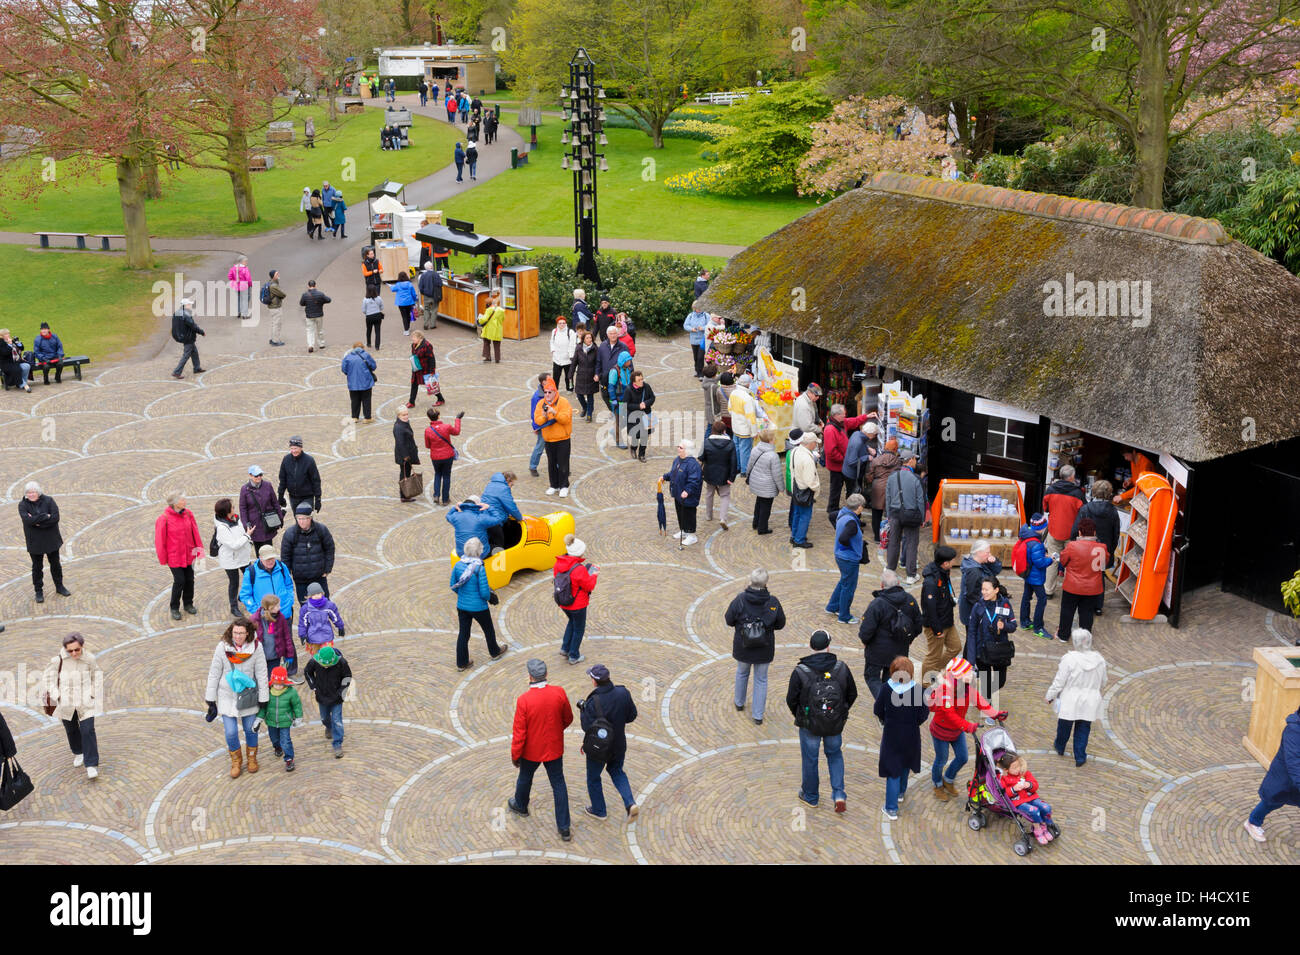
901, 625
598, 741
563, 587
265, 296
823, 701
753, 633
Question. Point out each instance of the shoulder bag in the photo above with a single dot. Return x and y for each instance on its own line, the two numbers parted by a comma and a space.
49, 705
15, 785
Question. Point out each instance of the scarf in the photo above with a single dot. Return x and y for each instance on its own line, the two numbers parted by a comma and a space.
902, 688
468, 567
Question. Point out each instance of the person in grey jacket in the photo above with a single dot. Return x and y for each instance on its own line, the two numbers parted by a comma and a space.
766, 478
904, 493
275, 304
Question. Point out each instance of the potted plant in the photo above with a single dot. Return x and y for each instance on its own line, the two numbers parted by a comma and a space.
1291, 597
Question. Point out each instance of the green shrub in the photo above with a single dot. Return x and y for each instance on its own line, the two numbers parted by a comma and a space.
1208, 175
995, 170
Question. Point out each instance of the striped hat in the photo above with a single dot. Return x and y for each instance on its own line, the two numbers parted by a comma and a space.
958, 667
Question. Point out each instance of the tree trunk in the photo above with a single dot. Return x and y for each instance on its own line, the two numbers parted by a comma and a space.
241, 180
1151, 134
149, 173
135, 224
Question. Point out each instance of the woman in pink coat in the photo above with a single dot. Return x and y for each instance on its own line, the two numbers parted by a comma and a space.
241, 280
178, 545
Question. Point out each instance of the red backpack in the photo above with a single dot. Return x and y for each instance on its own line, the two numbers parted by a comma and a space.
1020, 556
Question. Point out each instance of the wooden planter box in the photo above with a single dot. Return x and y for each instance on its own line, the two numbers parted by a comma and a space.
1277, 696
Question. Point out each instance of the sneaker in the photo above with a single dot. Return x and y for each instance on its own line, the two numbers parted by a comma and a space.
850, 621
912, 580
514, 807
550, 491
833, 613
277, 344
288, 765
199, 371
805, 545
888, 815
566, 835
593, 814
1025, 625
841, 805
564, 492
406, 331
632, 811
338, 752
690, 539
277, 750
78, 761
578, 659
91, 772
533, 472
1061, 639
1256, 832
806, 801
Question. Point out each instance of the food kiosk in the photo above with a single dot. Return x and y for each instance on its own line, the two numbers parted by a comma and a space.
464, 299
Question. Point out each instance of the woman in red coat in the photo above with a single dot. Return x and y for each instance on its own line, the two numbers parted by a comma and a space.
423, 363
178, 545
437, 438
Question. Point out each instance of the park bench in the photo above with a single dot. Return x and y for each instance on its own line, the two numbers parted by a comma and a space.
69, 361
104, 241
45, 238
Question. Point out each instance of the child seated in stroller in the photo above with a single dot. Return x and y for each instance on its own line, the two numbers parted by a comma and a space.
1022, 789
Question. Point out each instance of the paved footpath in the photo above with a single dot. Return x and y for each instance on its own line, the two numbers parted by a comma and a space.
427, 769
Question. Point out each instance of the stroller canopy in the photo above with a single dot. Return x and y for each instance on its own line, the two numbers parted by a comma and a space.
996, 739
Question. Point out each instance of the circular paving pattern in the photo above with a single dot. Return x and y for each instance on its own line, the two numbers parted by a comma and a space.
426, 769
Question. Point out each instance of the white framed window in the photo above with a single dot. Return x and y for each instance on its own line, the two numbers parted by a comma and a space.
789, 351
1006, 439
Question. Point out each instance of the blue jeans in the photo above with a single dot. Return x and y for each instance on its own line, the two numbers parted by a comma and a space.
809, 744
536, 457
442, 480
895, 787
574, 631
1030, 591
1037, 811
554, 772
280, 739
842, 595
26, 370
800, 518
587, 404
231, 724
760, 687
959, 758
1263, 809
616, 775
1081, 730
460, 171
332, 717
743, 447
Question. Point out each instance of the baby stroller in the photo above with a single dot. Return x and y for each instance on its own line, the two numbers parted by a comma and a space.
984, 793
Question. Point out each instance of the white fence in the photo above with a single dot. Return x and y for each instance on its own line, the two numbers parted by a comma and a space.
726, 99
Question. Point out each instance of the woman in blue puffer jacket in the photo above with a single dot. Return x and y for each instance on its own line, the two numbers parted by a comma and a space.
685, 479
469, 582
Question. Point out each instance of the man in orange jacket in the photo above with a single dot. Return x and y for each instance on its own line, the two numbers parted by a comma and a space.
554, 417
541, 714
1138, 464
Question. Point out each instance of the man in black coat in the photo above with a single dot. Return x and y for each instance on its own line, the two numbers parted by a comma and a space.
937, 605
40, 516
185, 332
754, 604
891, 622
701, 284
614, 704
308, 551
430, 285
313, 302
820, 676
299, 477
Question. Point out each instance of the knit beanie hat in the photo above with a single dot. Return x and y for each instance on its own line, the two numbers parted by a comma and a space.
279, 677
1038, 523
958, 667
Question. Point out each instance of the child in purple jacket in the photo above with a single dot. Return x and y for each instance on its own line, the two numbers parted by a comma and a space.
318, 619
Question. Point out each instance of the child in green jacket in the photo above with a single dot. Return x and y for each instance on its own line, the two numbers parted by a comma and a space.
281, 712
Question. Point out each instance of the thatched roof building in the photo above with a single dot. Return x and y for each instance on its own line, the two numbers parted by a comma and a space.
1147, 327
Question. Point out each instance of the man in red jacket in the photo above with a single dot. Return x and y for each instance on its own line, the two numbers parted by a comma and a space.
541, 714
836, 437
1062, 500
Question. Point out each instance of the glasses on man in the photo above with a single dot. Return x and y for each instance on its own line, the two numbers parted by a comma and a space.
74, 650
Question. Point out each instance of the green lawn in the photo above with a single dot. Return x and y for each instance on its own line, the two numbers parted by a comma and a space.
537, 199
97, 307
199, 202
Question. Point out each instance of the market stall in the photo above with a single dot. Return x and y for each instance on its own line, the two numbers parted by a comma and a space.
777, 388
990, 510
464, 298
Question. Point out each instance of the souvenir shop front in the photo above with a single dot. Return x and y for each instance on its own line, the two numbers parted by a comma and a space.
967, 346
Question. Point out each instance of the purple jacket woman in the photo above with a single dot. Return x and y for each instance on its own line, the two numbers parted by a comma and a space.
255, 502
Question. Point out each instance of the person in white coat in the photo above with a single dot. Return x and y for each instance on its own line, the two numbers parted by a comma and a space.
564, 342
1075, 694
234, 550
73, 686
238, 652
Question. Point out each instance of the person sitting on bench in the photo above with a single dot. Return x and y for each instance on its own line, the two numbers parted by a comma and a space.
396, 136
386, 137
12, 367
47, 347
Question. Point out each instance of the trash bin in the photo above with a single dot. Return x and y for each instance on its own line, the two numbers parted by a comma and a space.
514, 157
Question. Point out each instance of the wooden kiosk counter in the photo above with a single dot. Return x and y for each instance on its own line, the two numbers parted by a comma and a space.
463, 299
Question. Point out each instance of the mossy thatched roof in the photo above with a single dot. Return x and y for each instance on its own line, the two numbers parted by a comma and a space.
948, 281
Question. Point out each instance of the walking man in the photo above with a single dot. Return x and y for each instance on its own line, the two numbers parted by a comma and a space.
755, 616
40, 517
905, 508
942, 642
184, 332
541, 714
430, 285
299, 477
307, 550
820, 695
850, 549
891, 622
274, 304
313, 302
605, 714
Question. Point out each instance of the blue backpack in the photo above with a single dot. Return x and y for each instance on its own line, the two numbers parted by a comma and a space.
620, 376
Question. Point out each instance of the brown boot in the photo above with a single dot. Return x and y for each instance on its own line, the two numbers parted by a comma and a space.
252, 759
236, 763
942, 794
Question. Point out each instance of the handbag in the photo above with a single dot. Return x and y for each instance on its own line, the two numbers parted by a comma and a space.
415, 364
803, 496
214, 549
273, 521
246, 698
431, 385
412, 485
15, 785
49, 705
